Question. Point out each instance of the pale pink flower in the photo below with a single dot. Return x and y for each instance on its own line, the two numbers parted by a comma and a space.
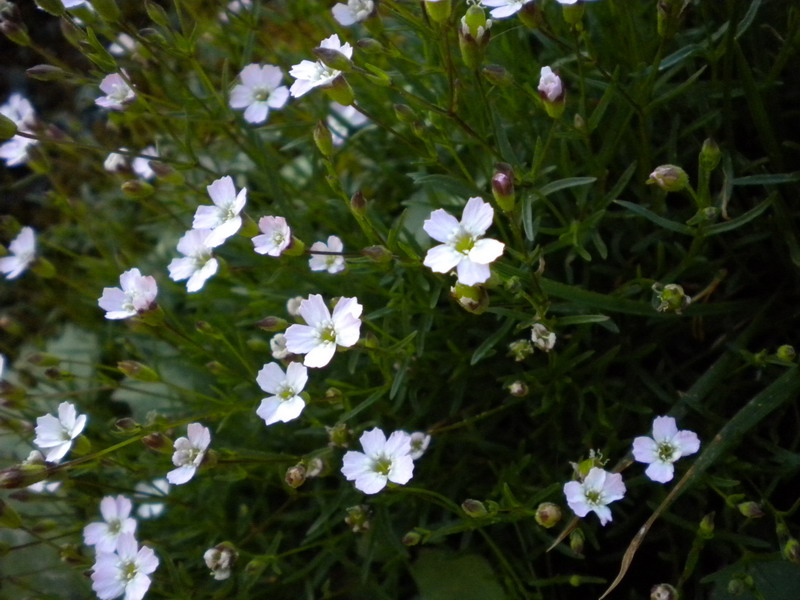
56, 434
594, 493
285, 404
189, 453
103, 535
665, 447
118, 92
259, 91
125, 571
383, 460
136, 294
323, 332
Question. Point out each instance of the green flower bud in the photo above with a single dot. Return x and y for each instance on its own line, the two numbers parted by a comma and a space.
531, 15
156, 13
378, 254
333, 59
358, 518
706, 528
573, 13
750, 509
520, 349
472, 298
438, 10
370, 45
548, 514
159, 442
576, 541
138, 371
127, 425
273, 324
73, 34
791, 551
295, 476
404, 113
671, 298
340, 91
8, 129
497, 75
474, 508
47, 73
338, 436
503, 188
136, 189
323, 139
358, 204
710, 155
786, 352
412, 538
670, 178
16, 32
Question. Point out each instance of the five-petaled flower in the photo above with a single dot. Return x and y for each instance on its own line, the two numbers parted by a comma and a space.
198, 263
138, 295
463, 246
223, 217
595, 493
353, 12
285, 403
382, 461
118, 92
275, 236
18, 109
323, 332
23, 251
103, 535
56, 434
665, 447
332, 263
259, 91
309, 75
125, 571
189, 453
504, 8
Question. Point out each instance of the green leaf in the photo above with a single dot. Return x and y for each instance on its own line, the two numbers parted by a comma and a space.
740, 220
457, 187
768, 179
491, 341
441, 575
563, 184
657, 219
747, 20
506, 150
581, 319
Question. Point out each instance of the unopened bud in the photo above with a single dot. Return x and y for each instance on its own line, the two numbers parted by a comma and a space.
573, 13
295, 476
791, 551
220, 559
750, 509
710, 155
135, 189
548, 514
438, 10
518, 389
412, 538
706, 528
378, 254
159, 442
358, 204
472, 298
314, 467
358, 518
73, 34
273, 324
127, 425
323, 139
671, 298
370, 45
15, 32
46, 73
333, 59
474, 508
156, 13
670, 178
8, 129
340, 91
786, 352
497, 75
576, 541
664, 591
404, 113
138, 371
520, 349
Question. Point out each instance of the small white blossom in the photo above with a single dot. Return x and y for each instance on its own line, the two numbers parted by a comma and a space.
223, 217
332, 263
220, 559
124, 44
72, 3
138, 295
116, 522
56, 434
542, 337
310, 74
285, 403
277, 346
382, 461
124, 571
145, 492
141, 165
463, 246
665, 447
259, 91
23, 251
550, 86
116, 162
17, 108
189, 453
504, 8
323, 332
342, 120
419, 443
275, 236
293, 305
235, 7
595, 493
198, 263
353, 12
118, 92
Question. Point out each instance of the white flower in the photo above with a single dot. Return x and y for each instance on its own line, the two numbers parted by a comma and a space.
462, 247
235, 7
542, 337
138, 295
44, 487
550, 85
353, 12
118, 92
223, 218
219, 560
285, 404
341, 120
198, 264
419, 443
316, 74
123, 44
293, 305
141, 165
259, 91
116, 522
189, 453
504, 8
599, 489
116, 162
382, 460
323, 332
18, 109
276, 236
144, 492
277, 346
2, 366
124, 571
72, 3
57, 433
332, 263
23, 251
665, 447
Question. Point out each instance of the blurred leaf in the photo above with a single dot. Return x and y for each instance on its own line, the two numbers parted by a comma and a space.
442, 575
